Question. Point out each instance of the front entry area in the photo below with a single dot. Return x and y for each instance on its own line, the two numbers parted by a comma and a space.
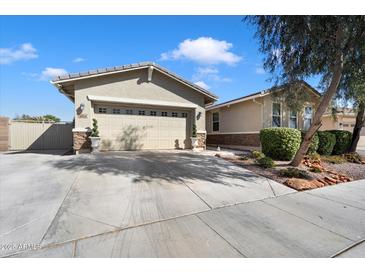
138, 128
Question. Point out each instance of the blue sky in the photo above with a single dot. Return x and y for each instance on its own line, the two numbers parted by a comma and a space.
218, 52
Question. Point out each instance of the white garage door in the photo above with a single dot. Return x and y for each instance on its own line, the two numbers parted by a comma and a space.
123, 128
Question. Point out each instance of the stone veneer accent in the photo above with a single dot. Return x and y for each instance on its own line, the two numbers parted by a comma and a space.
241, 139
202, 137
81, 140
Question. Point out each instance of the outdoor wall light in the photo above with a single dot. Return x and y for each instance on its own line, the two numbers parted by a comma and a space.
199, 114
82, 106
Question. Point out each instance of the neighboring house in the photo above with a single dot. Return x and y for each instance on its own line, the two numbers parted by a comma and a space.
344, 119
237, 123
137, 106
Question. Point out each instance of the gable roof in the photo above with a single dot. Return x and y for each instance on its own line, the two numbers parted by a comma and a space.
260, 94
64, 79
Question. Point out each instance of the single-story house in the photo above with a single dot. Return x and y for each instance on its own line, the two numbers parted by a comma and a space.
237, 123
137, 106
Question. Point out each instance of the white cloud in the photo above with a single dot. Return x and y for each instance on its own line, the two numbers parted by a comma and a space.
24, 52
204, 50
260, 70
51, 73
210, 74
78, 60
202, 84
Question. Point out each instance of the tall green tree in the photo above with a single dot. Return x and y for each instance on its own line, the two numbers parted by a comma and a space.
352, 89
297, 47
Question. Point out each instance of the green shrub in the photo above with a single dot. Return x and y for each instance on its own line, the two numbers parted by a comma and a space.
343, 141
315, 169
327, 141
280, 143
314, 157
257, 154
353, 157
334, 159
265, 162
314, 143
292, 172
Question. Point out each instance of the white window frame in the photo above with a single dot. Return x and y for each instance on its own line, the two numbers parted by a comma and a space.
272, 114
129, 111
216, 122
174, 114
184, 114
290, 117
153, 113
141, 112
116, 111
164, 113
102, 110
304, 117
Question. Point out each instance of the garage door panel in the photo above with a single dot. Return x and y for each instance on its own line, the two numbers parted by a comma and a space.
134, 132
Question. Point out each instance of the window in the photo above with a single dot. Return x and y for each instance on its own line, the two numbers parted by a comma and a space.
293, 119
102, 110
153, 113
184, 115
346, 125
276, 115
308, 114
116, 110
352, 125
129, 111
141, 112
216, 121
164, 113
174, 114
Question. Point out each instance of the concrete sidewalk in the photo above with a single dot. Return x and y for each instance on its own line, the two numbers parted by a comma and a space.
324, 222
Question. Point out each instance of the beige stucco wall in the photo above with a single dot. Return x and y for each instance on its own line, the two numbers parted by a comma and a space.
134, 85
342, 122
253, 115
240, 117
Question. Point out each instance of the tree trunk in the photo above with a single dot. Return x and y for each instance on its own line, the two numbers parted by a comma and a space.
323, 105
360, 119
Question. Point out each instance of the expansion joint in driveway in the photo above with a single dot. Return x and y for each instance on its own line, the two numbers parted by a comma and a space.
308, 221
210, 207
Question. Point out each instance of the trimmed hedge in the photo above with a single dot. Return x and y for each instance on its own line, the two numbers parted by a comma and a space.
343, 141
314, 143
327, 141
280, 143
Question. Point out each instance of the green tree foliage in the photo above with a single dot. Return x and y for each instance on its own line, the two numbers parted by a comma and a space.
297, 47
45, 118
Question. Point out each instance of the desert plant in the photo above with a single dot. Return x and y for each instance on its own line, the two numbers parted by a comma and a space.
95, 131
334, 159
292, 172
315, 169
314, 143
257, 154
243, 157
327, 141
353, 157
193, 132
280, 143
265, 162
343, 141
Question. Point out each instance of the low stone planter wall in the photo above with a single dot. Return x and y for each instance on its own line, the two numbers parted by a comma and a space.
81, 141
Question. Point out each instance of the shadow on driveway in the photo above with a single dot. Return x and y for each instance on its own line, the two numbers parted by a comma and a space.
150, 165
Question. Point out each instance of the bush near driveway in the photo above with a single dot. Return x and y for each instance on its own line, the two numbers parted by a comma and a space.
280, 143
343, 141
327, 141
314, 143
265, 162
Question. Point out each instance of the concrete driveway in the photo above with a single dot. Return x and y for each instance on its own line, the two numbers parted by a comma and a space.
166, 204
